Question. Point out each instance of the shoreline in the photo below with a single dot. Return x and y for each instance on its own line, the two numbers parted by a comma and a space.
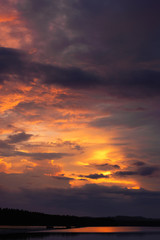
18, 233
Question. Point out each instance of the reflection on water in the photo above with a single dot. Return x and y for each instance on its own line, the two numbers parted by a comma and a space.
109, 229
92, 233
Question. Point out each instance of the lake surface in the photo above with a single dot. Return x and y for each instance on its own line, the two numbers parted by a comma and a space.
87, 233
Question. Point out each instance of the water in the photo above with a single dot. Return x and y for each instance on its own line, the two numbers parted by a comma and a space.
88, 233
101, 237
109, 230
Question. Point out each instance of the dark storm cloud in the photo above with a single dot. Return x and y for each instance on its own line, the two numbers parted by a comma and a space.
92, 200
139, 163
108, 30
119, 39
8, 145
8, 148
19, 137
125, 173
16, 62
39, 14
40, 156
72, 77
46, 21
13, 62
5, 146
130, 120
111, 29
62, 177
95, 176
147, 171
37, 178
133, 84
142, 171
106, 166
72, 145
137, 83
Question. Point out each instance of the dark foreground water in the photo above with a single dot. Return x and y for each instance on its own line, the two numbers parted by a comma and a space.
88, 233
102, 237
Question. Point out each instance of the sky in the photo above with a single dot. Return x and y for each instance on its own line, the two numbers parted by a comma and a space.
80, 106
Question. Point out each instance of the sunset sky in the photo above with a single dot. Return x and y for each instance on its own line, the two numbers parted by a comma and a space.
80, 106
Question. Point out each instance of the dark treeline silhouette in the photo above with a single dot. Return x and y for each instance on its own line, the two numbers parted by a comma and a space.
15, 217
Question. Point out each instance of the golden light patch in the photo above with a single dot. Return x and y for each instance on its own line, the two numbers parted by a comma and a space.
82, 163
106, 173
52, 162
78, 182
125, 182
100, 154
135, 187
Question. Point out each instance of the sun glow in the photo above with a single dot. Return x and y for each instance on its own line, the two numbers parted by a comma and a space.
82, 163
135, 187
107, 173
100, 154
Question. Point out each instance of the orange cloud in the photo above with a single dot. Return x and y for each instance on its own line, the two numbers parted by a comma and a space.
7, 18
4, 166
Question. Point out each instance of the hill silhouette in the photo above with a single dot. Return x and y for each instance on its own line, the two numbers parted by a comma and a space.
15, 217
